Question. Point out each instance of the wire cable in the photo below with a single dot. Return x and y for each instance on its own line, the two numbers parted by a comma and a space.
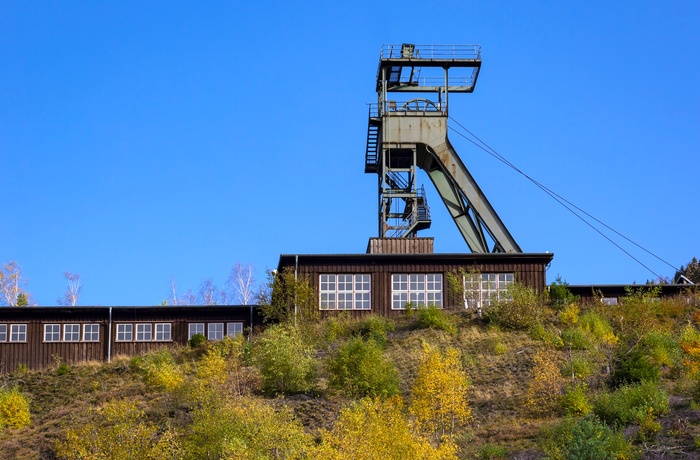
561, 200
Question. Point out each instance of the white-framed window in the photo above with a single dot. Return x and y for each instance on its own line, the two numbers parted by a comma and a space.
71, 332
609, 300
18, 332
125, 332
234, 329
52, 332
417, 288
3, 332
163, 332
216, 331
345, 291
144, 332
483, 289
91, 332
195, 328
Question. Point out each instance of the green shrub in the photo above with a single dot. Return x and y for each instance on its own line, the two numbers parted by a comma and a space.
14, 409
524, 310
578, 367
631, 403
286, 362
575, 401
62, 369
376, 327
544, 334
492, 451
360, 368
647, 358
434, 318
575, 338
587, 438
197, 340
160, 370
559, 293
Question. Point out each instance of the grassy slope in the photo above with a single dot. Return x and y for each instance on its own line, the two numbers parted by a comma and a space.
499, 364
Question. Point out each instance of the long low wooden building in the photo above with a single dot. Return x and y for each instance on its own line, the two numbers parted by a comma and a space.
37, 337
395, 273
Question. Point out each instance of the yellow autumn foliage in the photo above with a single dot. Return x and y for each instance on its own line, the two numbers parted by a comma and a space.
14, 409
118, 431
545, 389
439, 394
375, 429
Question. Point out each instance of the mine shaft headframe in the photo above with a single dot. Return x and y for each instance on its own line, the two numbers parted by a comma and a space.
401, 68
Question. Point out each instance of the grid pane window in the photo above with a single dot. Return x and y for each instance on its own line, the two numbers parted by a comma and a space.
484, 289
234, 329
52, 332
416, 288
163, 331
195, 328
125, 332
345, 292
18, 332
91, 332
216, 331
144, 332
71, 332
3, 332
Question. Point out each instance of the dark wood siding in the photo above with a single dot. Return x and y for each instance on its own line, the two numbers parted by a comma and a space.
529, 269
36, 353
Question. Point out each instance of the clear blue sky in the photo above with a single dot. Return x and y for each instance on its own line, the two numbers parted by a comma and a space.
141, 141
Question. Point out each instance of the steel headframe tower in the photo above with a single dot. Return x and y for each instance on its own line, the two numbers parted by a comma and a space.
412, 133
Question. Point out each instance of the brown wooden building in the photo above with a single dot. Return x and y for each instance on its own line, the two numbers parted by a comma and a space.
38, 337
397, 272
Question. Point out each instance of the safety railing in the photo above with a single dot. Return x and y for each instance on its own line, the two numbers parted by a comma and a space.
436, 52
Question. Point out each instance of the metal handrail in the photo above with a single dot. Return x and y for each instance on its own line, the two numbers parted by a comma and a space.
453, 52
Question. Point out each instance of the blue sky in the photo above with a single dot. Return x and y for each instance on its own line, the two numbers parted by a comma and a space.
141, 141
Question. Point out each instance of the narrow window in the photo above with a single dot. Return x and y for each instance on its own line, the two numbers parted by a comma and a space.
71, 332
163, 332
144, 332
18, 332
125, 332
3, 332
216, 331
91, 332
52, 332
195, 328
234, 329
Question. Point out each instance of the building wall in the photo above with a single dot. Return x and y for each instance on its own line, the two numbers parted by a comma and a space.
529, 269
36, 353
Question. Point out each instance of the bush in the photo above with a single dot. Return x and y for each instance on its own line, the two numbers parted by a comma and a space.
160, 371
578, 368
547, 335
286, 363
376, 327
434, 318
631, 403
492, 451
586, 438
14, 409
575, 339
569, 314
575, 401
197, 340
524, 310
545, 388
644, 362
359, 368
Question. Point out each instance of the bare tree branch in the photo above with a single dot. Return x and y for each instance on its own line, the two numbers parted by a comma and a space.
11, 283
72, 293
207, 292
242, 283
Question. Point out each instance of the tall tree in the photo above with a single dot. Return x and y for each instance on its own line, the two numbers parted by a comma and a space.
73, 290
691, 271
208, 293
11, 283
242, 283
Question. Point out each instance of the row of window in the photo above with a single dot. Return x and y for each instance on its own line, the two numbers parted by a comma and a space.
353, 291
18, 333
125, 332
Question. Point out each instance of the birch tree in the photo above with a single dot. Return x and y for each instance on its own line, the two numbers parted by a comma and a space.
73, 290
11, 283
242, 283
